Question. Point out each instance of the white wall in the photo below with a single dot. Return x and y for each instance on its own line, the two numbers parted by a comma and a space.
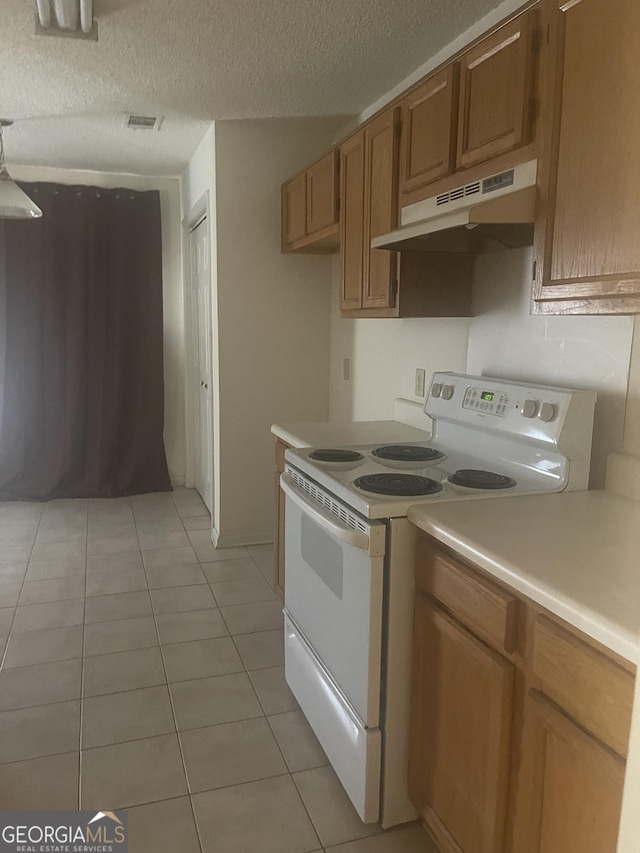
576, 352
172, 289
384, 355
270, 311
273, 315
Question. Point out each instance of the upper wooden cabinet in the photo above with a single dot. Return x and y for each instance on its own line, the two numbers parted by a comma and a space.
310, 208
496, 93
381, 140
376, 282
556, 83
322, 193
587, 249
429, 125
478, 108
352, 193
294, 210
369, 190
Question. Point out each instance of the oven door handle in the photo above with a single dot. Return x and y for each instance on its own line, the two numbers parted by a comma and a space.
310, 508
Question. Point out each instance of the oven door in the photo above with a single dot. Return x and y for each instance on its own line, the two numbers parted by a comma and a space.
334, 570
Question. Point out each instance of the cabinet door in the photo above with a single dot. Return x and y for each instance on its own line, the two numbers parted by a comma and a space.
496, 93
322, 193
429, 124
381, 208
461, 712
295, 209
352, 220
579, 786
587, 245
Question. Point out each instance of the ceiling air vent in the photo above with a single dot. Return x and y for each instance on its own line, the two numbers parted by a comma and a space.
136, 122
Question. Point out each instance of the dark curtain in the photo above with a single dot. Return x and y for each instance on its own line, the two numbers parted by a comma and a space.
82, 396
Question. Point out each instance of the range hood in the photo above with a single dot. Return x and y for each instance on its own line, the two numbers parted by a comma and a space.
488, 215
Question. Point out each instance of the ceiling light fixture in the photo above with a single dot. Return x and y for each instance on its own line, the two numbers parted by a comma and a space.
14, 204
67, 14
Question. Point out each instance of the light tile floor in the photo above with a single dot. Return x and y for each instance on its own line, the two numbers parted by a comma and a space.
143, 669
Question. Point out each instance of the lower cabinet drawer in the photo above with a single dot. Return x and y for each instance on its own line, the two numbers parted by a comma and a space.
354, 751
590, 687
483, 607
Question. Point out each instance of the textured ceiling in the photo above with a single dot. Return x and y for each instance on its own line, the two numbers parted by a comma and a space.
198, 60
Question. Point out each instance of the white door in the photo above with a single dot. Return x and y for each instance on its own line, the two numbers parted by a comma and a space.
201, 354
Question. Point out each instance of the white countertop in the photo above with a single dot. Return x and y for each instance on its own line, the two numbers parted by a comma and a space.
576, 554
347, 434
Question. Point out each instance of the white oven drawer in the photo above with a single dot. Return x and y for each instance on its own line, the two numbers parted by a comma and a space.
334, 591
353, 750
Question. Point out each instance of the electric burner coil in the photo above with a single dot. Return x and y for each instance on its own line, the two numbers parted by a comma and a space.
322, 454
475, 478
407, 453
397, 484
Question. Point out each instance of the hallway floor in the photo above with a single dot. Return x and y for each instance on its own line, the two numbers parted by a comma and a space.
143, 669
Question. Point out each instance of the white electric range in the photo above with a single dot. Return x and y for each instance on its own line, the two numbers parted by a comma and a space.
349, 555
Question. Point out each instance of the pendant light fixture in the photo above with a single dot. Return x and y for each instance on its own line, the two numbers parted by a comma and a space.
14, 204
70, 15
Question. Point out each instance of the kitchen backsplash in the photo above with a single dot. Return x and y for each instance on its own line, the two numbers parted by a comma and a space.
578, 352
501, 340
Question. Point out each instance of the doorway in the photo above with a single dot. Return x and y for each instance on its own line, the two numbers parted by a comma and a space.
201, 372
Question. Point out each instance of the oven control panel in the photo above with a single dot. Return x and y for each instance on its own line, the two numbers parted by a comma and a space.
541, 413
484, 400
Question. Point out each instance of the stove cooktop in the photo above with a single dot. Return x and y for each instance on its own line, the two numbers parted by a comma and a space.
380, 487
490, 438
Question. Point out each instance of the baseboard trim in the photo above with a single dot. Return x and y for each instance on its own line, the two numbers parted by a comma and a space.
238, 541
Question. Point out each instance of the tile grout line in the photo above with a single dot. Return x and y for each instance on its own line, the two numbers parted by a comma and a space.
266, 717
24, 580
84, 623
171, 703
247, 671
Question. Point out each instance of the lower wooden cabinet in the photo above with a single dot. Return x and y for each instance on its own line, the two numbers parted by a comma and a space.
461, 734
278, 533
578, 785
515, 748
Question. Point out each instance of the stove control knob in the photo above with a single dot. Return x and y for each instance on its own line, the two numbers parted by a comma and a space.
547, 412
436, 388
529, 408
447, 392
